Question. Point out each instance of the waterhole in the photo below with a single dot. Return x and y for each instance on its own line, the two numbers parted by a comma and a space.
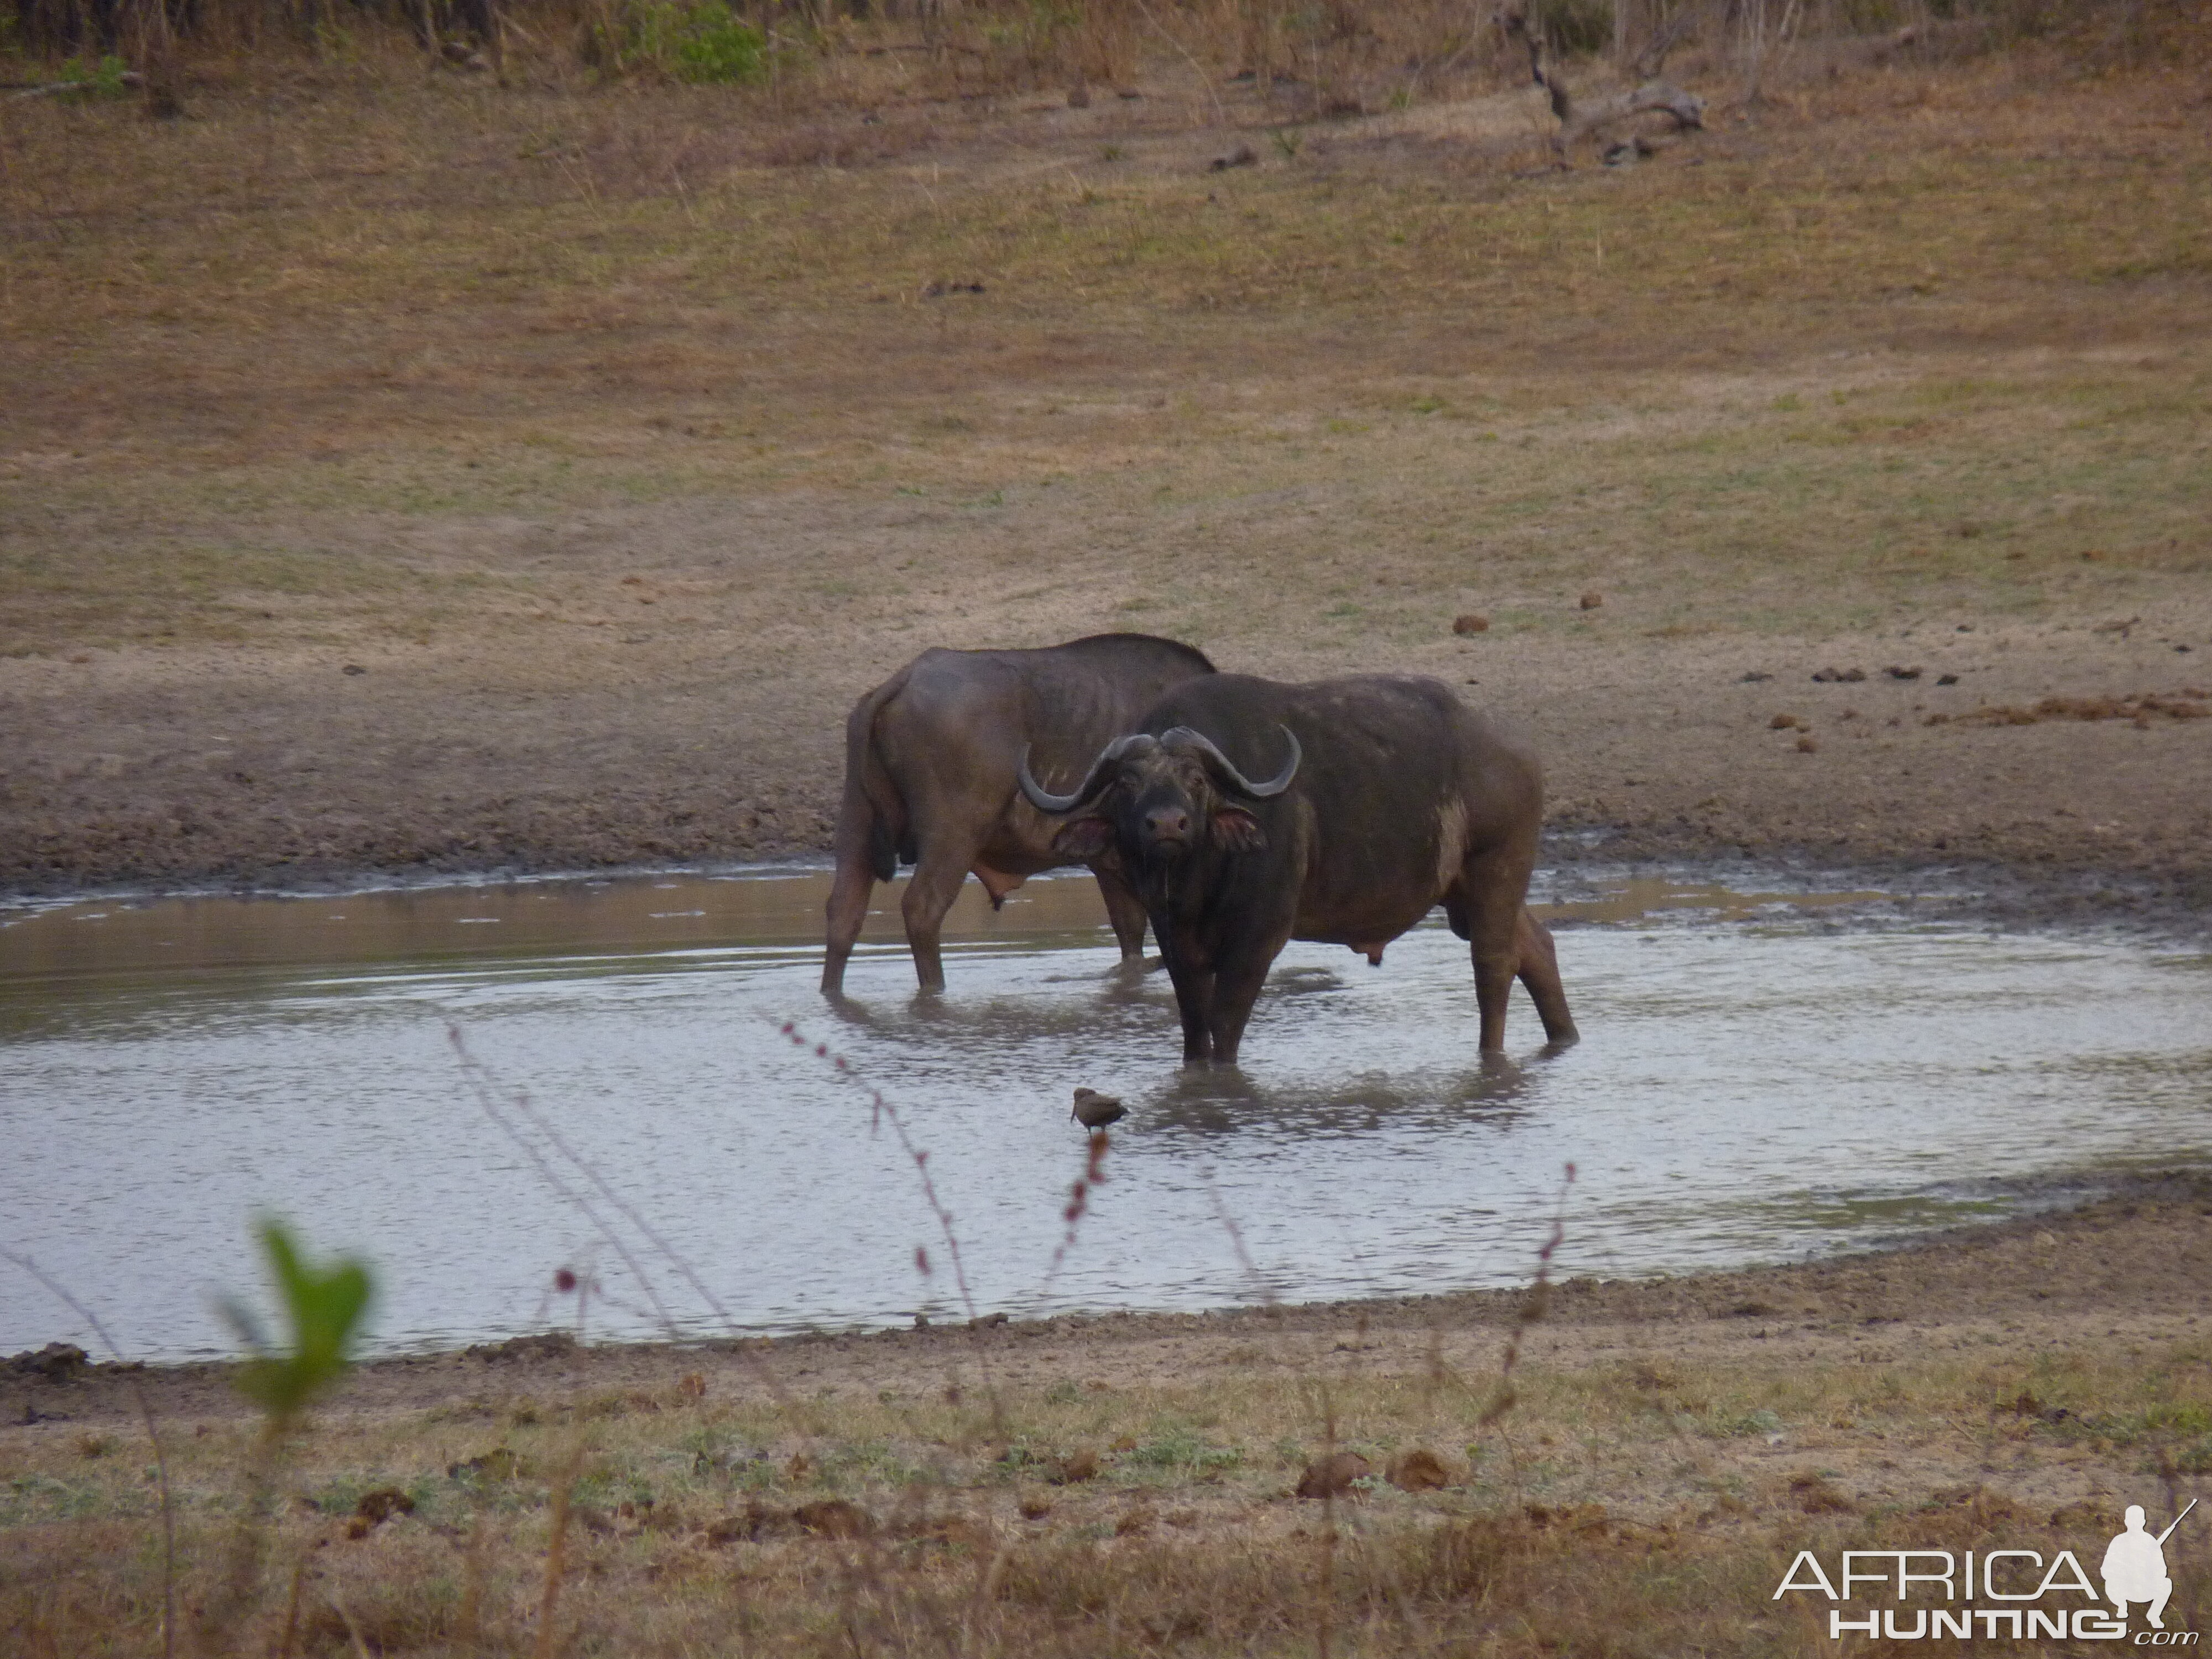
1762, 1077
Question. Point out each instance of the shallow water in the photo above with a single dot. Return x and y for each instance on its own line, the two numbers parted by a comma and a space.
1757, 1082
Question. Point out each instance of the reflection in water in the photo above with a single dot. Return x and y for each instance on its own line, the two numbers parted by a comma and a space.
1752, 1085
1229, 1100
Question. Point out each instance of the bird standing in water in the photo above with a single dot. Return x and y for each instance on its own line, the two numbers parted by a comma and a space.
1095, 1111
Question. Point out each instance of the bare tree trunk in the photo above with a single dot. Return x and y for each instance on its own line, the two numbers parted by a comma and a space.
153, 45
1762, 35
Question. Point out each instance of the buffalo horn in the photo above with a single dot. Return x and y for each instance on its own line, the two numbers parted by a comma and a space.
1222, 766
1108, 758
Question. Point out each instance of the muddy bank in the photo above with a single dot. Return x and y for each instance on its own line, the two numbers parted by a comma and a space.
158, 769
2119, 1268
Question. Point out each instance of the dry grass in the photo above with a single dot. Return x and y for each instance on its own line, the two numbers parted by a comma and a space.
1626, 1507
1911, 335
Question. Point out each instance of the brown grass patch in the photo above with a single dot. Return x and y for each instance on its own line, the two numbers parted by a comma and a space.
249, 349
2141, 708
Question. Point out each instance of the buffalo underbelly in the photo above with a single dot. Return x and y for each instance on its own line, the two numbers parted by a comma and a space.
1018, 855
1362, 926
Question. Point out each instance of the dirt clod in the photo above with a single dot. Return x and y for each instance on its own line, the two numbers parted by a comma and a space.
497, 1464
57, 1362
548, 1345
1419, 1470
1135, 1523
380, 1505
1815, 1495
1332, 1476
833, 1518
1080, 1465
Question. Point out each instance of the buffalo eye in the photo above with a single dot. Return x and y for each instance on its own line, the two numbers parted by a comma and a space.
1238, 830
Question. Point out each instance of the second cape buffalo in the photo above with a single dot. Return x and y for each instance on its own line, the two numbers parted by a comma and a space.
1377, 798
930, 756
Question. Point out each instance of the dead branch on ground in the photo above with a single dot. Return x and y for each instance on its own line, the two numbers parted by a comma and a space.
1580, 119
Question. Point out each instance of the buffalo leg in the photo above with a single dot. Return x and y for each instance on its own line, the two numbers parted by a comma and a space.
1241, 975
1540, 972
1194, 989
1235, 991
1493, 892
929, 894
846, 909
1494, 968
1124, 909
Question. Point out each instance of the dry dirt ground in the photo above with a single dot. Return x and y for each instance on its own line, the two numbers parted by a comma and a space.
1642, 1396
446, 480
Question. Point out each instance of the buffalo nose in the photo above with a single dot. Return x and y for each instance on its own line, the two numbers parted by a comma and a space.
1168, 820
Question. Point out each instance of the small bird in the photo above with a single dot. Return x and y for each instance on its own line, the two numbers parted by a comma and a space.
1095, 1111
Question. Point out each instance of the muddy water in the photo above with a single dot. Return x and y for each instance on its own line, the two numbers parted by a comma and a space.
1759, 1080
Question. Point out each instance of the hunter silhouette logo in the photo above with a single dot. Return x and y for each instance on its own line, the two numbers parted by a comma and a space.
1998, 1595
2135, 1566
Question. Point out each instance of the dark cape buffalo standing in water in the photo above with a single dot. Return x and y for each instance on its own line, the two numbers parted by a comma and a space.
930, 762
1384, 797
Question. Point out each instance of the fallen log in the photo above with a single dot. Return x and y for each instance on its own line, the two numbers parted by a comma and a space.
1581, 118
54, 88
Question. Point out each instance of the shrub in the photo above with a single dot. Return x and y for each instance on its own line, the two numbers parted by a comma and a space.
705, 43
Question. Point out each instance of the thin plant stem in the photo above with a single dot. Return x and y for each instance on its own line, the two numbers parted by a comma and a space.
1079, 1204
469, 1621
292, 1610
496, 1111
556, 1553
884, 1112
153, 1434
1325, 1616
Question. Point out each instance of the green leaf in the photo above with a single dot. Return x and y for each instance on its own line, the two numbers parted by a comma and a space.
322, 1306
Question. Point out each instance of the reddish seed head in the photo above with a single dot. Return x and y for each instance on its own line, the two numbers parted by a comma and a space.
922, 1261
823, 1050
564, 1281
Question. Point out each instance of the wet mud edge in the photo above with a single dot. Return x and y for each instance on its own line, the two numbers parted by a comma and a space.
2091, 1256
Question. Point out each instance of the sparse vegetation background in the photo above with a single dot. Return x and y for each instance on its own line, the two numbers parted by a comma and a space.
575, 371
467, 438
1307, 58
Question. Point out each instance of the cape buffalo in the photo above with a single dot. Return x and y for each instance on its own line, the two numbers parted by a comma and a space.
930, 758
1388, 796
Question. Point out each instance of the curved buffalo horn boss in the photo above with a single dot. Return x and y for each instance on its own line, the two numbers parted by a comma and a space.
1225, 769
1108, 758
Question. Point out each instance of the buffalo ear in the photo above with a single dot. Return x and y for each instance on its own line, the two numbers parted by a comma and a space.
1238, 830
1083, 838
